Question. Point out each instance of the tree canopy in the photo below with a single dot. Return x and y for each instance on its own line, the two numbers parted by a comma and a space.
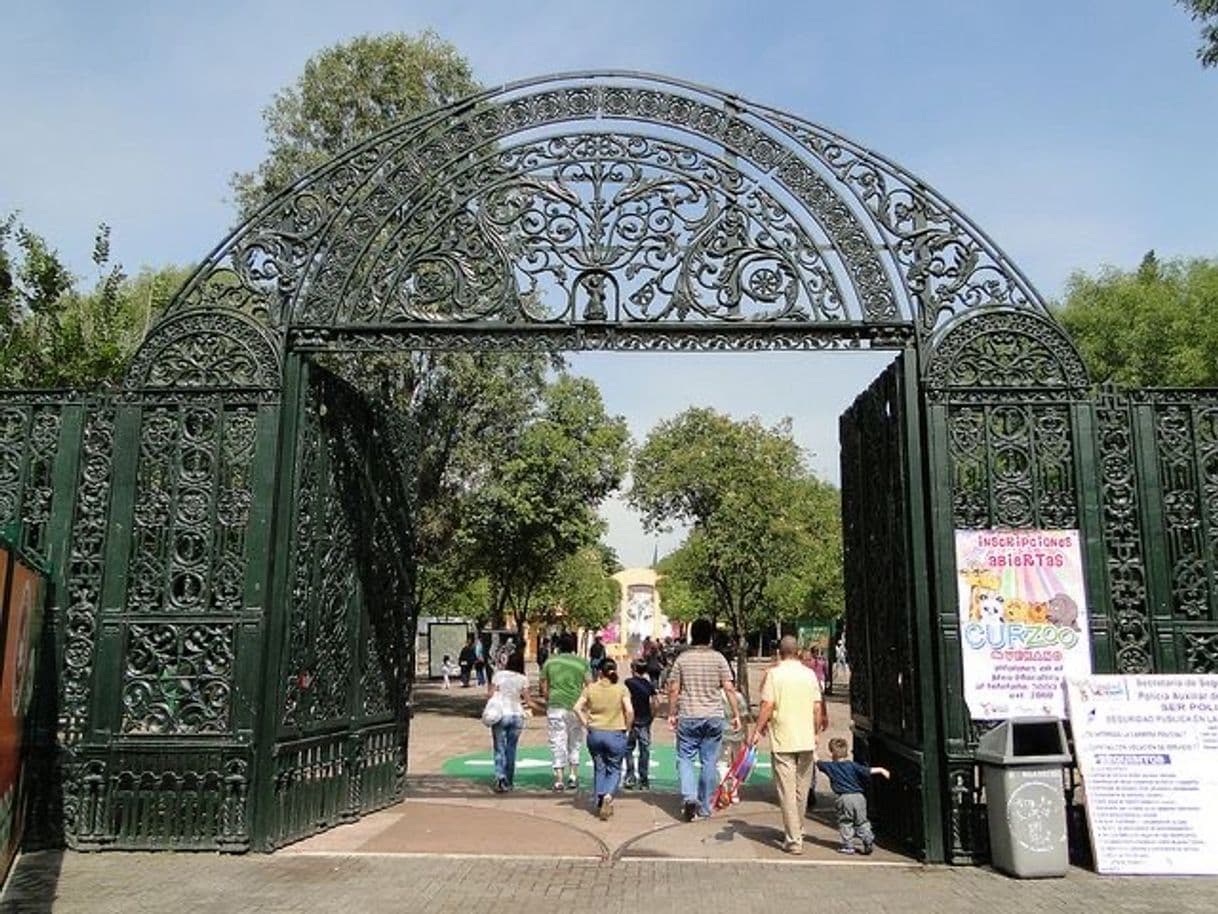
1156, 326
53, 333
765, 534
539, 506
1206, 13
347, 93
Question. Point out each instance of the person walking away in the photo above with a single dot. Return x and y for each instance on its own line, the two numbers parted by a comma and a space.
793, 709
654, 662
562, 681
465, 660
512, 687
817, 663
543, 651
605, 709
849, 780
480, 661
596, 655
448, 669
696, 714
644, 699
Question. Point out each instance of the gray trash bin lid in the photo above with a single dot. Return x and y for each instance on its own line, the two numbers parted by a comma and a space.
1024, 741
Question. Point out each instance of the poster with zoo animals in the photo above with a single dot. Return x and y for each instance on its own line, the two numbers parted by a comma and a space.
1023, 620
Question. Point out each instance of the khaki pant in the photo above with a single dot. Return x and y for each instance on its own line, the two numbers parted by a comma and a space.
793, 779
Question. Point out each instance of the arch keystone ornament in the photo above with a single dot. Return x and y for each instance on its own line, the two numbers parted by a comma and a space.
234, 665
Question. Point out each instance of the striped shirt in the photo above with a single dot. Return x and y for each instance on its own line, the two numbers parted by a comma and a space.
700, 673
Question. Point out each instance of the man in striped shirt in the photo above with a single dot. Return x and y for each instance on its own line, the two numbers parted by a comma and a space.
696, 713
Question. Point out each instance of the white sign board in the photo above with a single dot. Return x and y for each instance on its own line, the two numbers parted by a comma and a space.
1023, 620
1147, 748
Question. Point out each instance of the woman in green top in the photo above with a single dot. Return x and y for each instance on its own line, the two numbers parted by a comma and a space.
605, 709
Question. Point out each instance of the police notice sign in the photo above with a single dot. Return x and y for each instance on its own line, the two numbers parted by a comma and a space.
1147, 748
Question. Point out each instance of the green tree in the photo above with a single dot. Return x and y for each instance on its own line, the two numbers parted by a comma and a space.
346, 94
754, 510
539, 505
1206, 13
580, 593
52, 334
466, 410
1154, 326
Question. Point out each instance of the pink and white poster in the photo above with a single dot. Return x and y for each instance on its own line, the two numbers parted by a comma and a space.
1023, 620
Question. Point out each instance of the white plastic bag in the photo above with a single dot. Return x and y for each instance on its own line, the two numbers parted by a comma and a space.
493, 712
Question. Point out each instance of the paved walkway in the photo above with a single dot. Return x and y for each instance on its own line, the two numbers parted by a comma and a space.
453, 845
437, 884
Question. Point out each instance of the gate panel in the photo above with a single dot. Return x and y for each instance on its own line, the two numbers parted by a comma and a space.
166, 758
887, 614
40, 444
339, 693
1176, 434
1011, 432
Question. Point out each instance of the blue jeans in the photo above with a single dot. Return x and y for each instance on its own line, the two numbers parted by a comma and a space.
640, 735
607, 748
699, 737
505, 735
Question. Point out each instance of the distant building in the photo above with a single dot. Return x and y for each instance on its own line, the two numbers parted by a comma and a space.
639, 615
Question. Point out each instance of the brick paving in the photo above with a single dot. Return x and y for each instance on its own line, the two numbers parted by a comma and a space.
438, 884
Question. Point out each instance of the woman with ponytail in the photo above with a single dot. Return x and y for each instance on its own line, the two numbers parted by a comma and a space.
606, 710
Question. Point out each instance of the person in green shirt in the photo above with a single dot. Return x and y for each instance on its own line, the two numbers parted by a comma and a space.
562, 682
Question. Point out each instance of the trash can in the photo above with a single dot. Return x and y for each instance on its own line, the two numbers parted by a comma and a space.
1022, 761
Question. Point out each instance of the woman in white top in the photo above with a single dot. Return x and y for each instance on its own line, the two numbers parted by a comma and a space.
513, 689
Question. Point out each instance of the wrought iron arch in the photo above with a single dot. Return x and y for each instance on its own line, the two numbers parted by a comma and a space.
607, 210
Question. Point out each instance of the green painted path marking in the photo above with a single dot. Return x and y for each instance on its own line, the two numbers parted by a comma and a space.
533, 767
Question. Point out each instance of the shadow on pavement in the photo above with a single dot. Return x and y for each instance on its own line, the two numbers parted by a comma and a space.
32, 884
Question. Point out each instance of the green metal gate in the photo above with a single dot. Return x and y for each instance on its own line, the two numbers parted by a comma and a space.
338, 672
229, 606
888, 618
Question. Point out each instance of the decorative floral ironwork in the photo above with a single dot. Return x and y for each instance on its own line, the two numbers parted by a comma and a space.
318, 673
212, 348
29, 441
1122, 526
177, 678
192, 508
1200, 651
623, 198
86, 567
635, 338
1012, 466
1186, 443
589, 227
1002, 349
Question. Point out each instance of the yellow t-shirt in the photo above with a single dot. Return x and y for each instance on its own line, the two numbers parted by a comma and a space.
604, 708
794, 692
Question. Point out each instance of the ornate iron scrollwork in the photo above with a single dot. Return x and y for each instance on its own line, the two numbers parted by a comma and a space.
211, 349
1003, 350
1122, 522
608, 198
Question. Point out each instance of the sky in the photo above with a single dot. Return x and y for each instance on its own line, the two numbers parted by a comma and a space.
1076, 134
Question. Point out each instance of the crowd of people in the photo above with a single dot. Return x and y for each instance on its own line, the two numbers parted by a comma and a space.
593, 704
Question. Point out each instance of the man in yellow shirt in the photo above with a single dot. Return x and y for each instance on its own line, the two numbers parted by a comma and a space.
793, 708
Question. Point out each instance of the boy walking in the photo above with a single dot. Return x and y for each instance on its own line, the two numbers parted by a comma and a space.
645, 700
848, 780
